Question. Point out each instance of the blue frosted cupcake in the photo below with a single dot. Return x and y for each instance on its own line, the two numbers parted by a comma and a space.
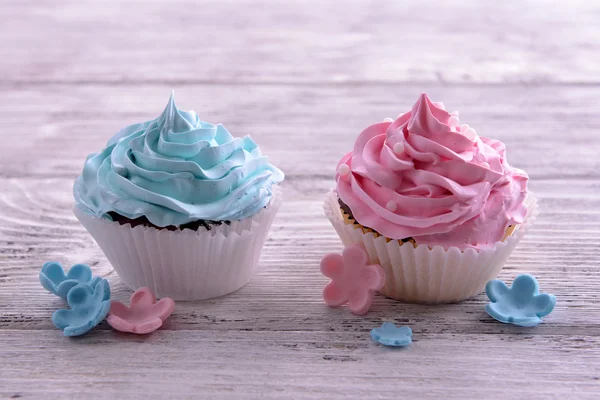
179, 205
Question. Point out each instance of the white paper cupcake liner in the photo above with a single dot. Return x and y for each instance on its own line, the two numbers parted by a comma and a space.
430, 275
184, 264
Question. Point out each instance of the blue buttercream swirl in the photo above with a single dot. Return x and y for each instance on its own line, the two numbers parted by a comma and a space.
176, 169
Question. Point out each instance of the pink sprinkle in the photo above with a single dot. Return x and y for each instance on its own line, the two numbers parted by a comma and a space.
353, 279
144, 315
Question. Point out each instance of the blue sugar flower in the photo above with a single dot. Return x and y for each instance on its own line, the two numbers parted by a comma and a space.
521, 304
390, 335
89, 306
53, 278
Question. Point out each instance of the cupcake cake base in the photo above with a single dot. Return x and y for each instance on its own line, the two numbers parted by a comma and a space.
184, 264
420, 274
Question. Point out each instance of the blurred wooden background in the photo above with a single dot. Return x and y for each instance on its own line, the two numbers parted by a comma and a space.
303, 78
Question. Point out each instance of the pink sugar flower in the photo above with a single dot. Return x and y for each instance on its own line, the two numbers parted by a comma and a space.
353, 279
144, 314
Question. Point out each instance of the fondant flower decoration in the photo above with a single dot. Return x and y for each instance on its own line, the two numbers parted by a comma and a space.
54, 280
353, 279
144, 314
390, 335
89, 306
521, 304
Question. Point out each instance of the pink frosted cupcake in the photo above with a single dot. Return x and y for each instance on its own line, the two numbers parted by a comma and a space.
436, 205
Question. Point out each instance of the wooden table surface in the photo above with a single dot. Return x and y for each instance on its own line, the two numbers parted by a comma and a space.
303, 78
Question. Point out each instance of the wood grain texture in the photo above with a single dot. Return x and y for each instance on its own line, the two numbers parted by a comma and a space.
303, 79
277, 338
337, 365
458, 41
304, 130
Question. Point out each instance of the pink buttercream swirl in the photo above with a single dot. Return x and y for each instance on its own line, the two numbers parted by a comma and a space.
424, 176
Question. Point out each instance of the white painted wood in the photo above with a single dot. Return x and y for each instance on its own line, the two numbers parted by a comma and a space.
275, 337
303, 79
154, 41
549, 132
298, 364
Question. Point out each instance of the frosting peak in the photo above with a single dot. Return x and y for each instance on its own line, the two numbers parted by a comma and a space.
427, 177
176, 169
427, 118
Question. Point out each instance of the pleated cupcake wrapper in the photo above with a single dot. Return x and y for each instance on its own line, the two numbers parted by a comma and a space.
430, 275
184, 264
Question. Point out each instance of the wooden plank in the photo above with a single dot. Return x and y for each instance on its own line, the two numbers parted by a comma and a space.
236, 364
305, 130
36, 225
459, 41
